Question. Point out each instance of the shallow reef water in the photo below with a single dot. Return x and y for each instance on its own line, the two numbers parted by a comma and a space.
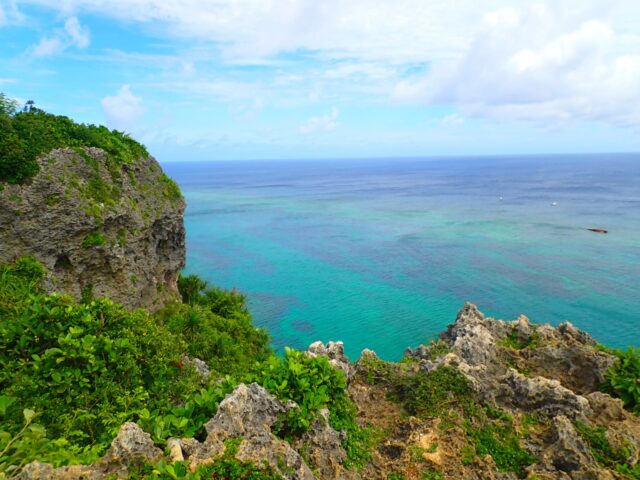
381, 253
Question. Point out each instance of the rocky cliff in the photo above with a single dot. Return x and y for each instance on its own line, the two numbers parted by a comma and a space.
490, 400
99, 227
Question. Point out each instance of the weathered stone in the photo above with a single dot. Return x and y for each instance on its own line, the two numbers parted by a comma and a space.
570, 332
139, 236
322, 447
577, 366
539, 394
334, 351
198, 365
249, 412
131, 446
568, 452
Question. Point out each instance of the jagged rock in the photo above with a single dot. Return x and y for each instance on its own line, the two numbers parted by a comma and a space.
605, 408
369, 354
539, 394
570, 332
131, 446
322, 447
568, 452
334, 351
577, 366
113, 231
249, 412
198, 365
175, 450
37, 471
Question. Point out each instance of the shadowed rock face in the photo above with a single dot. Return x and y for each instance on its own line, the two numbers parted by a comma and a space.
111, 230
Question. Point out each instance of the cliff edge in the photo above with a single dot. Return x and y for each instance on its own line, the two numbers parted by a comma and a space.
100, 228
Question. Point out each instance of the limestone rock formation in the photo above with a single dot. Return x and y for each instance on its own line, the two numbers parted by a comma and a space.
334, 351
131, 446
100, 228
554, 415
248, 414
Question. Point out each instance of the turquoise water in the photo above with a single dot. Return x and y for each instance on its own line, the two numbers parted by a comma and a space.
382, 253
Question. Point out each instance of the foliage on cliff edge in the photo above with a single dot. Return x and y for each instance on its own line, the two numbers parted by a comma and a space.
24, 136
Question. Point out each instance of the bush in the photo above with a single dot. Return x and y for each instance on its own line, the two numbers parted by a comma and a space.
87, 368
623, 378
315, 384
27, 135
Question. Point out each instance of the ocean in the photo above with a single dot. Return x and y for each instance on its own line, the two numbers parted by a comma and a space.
382, 253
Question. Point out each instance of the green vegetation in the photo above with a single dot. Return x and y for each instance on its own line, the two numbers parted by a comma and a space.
610, 456
94, 239
517, 342
437, 349
226, 468
622, 380
25, 136
314, 384
87, 368
72, 373
446, 393
170, 188
432, 475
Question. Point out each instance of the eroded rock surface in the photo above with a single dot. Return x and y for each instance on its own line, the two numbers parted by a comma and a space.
98, 228
248, 413
131, 446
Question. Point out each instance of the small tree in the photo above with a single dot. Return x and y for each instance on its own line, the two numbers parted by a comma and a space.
8, 106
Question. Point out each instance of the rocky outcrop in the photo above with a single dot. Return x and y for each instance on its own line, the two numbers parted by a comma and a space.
100, 228
131, 447
334, 351
247, 414
552, 416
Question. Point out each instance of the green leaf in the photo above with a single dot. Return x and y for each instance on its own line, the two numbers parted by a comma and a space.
5, 403
28, 414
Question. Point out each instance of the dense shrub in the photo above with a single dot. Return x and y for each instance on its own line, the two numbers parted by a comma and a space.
623, 378
71, 373
26, 135
84, 369
314, 384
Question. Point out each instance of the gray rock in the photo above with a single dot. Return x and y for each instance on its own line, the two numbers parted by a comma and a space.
130, 211
198, 365
131, 446
322, 447
567, 451
248, 413
334, 351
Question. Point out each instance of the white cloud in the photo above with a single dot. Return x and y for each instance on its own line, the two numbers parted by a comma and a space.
536, 64
452, 120
9, 12
324, 123
78, 35
123, 109
72, 35
545, 61
7, 81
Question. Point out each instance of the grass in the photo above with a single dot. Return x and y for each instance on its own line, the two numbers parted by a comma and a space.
606, 454
447, 394
516, 342
94, 239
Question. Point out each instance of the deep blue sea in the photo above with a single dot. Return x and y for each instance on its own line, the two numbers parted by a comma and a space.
381, 253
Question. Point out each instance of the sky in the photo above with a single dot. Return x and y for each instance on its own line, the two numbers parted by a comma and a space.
261, 79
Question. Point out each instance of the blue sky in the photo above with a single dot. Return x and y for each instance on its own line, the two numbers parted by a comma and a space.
252, 79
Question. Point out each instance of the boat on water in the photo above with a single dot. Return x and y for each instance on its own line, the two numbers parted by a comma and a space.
598, 230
